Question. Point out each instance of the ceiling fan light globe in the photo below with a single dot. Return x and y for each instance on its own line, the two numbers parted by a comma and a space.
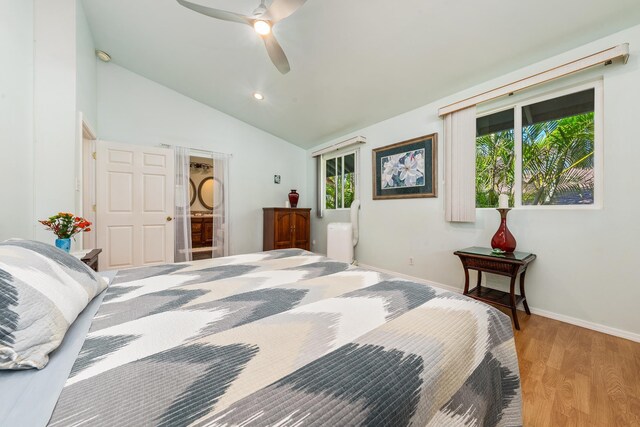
262, 27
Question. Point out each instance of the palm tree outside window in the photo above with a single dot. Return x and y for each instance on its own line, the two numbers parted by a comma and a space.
340, 181
556, 141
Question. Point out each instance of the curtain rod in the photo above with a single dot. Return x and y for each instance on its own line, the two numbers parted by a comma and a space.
605, 57
197, 150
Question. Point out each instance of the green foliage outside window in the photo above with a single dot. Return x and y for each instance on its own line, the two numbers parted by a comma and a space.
330, 192
557, 163
494, 168
339, 176
349, 189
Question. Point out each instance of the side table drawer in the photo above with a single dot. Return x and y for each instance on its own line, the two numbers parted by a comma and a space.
490, 266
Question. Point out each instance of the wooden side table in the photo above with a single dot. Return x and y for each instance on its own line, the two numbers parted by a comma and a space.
91, 258
508, 264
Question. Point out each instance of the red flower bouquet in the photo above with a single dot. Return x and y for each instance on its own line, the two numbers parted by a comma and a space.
66, 225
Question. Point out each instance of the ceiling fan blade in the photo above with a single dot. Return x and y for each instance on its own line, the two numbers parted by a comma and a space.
276, 54
216, 13
280, 9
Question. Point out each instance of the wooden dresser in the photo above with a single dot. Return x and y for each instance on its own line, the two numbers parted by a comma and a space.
201, 231
286, 228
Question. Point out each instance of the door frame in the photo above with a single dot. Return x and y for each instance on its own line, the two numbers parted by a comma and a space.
87, 194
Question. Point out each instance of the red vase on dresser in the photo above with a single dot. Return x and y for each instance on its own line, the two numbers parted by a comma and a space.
503, 239
293, 198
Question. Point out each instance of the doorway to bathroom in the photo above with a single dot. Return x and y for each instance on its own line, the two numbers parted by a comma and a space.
201, 197
201, 204
202, 208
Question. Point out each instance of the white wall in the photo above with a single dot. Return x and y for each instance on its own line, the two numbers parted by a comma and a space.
135, 110
586, 259
86, 75
16, 118
55, 127
38, 127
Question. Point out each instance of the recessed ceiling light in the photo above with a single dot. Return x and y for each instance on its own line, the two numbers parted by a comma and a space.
258, 96
262, 27
103, 56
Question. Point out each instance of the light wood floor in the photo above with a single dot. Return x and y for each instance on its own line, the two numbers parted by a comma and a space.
573, 376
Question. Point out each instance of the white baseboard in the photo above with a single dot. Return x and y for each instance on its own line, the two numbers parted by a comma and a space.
538, 311
587, 324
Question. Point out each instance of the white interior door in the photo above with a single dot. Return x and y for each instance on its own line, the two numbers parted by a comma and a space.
134, 205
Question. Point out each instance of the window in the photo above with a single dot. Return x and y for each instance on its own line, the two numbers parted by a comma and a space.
494, 158
339, 180
557, 142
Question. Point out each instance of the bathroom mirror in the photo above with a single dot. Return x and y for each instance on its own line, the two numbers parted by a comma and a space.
192, 192
209, 187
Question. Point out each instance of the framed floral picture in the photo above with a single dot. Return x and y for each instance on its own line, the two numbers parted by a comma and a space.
407, 169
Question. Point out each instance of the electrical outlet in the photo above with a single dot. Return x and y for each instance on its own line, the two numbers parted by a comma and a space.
410, 260
276, 179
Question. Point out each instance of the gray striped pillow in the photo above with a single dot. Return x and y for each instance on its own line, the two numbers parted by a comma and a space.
42, 291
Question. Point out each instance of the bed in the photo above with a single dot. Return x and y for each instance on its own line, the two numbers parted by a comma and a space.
279, 338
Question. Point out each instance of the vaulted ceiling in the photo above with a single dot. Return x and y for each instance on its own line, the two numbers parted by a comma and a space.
353, 62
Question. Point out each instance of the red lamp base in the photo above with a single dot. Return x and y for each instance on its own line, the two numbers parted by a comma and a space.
503, 239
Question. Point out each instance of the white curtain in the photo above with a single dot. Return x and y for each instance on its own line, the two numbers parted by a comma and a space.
220, 205
460, 165
182, 220
320, 185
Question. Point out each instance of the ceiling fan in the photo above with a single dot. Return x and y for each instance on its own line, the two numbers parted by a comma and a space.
262, 21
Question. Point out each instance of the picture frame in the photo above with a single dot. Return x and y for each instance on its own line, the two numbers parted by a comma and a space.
407, 169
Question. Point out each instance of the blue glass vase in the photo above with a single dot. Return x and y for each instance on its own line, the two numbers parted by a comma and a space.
64, 244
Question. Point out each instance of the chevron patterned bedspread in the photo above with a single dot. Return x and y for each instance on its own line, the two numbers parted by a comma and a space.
289, 338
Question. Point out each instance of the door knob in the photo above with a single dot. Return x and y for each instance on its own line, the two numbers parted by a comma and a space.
169, 219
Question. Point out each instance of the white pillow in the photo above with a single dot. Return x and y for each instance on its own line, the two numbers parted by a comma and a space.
42, 291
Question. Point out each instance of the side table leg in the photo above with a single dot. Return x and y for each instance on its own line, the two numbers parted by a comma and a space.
479, 283
466, 281
524, 301
512, 296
